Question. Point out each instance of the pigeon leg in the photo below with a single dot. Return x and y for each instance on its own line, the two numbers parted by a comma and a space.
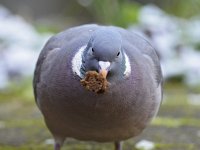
118, 145
58, 143
57, 146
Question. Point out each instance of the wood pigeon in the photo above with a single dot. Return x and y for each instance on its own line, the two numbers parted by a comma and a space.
129, 64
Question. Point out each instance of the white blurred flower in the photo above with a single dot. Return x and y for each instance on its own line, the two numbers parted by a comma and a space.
20, 44
175, 40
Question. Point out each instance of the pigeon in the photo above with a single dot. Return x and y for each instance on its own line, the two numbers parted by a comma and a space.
131, 68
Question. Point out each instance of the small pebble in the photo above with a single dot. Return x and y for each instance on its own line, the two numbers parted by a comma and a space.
194, 99
198, 133
49, 142
145, 145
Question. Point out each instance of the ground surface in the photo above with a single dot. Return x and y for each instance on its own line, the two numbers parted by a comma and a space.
177, 126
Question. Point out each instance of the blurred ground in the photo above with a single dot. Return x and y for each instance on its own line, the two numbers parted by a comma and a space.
177, 126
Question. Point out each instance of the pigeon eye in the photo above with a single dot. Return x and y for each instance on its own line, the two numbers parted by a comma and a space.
118, 53
92, 50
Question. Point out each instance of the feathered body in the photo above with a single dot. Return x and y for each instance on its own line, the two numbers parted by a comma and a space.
132, 100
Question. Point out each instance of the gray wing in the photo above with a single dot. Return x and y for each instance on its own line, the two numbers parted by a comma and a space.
150, 54
152, 59
79, 35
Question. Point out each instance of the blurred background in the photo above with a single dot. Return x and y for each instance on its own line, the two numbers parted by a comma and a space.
171, 26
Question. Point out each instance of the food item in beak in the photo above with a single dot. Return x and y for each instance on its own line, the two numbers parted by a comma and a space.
95, 82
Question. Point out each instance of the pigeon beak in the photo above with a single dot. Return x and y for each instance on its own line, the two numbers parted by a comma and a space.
104, 67
103, 72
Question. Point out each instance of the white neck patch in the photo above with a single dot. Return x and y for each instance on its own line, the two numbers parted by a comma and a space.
127, 71
77, 61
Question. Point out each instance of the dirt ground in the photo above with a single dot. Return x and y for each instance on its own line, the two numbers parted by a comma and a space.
177, 126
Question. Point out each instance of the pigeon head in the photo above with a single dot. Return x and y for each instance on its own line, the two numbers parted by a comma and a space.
103, 52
